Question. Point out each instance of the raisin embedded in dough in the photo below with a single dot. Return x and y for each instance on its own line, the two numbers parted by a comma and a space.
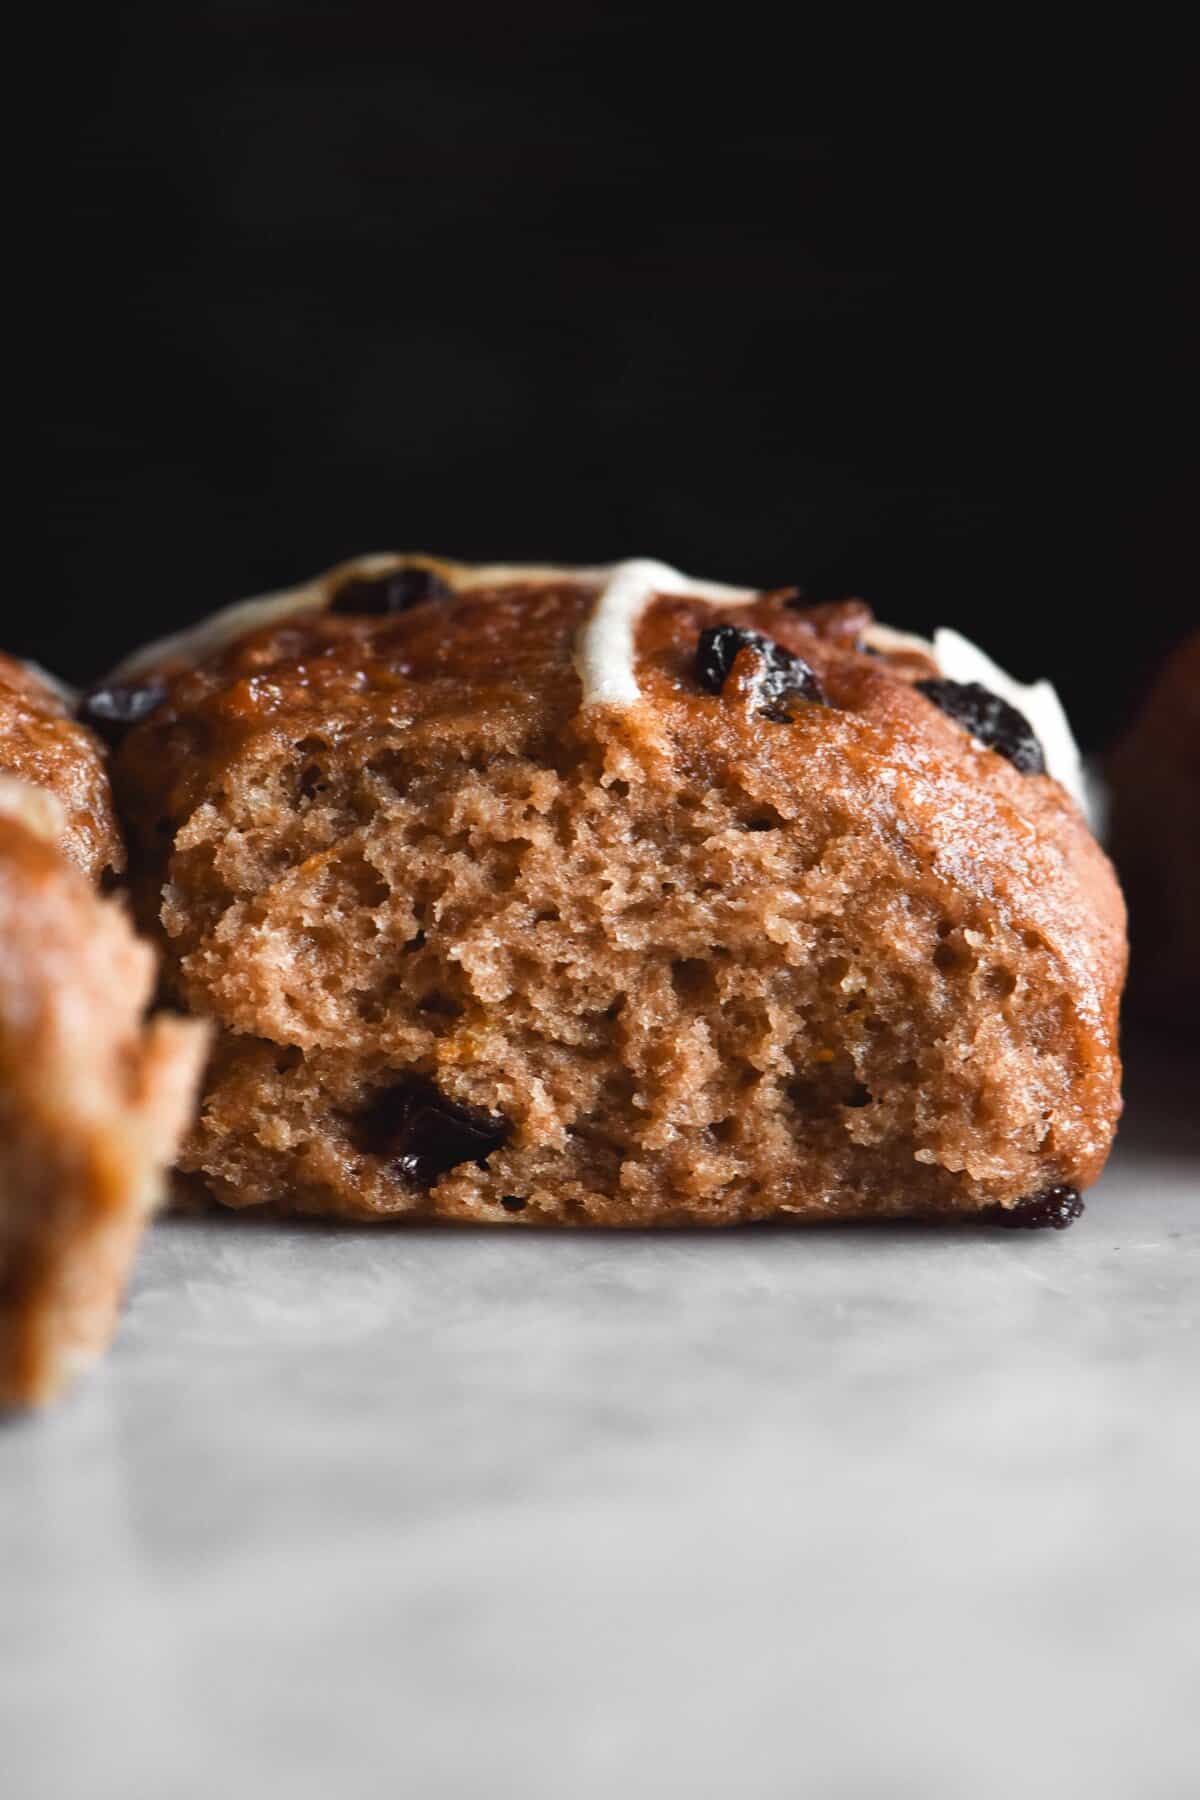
1054, 1210
395, 592
990, 719
424, 1135
111, 710
779, 677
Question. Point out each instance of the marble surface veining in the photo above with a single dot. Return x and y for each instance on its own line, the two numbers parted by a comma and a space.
842, 1513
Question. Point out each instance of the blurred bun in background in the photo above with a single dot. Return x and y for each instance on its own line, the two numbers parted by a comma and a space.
1155, 831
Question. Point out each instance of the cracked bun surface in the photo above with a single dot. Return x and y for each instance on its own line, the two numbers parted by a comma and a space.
93, 1099
609, 897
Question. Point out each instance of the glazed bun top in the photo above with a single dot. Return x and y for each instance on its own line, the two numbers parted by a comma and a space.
613, 602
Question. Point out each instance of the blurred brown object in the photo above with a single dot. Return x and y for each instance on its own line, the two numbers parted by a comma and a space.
1155, 841
93, 1096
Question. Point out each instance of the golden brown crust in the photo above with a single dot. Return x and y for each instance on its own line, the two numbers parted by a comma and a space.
40, 743
704, 966
1155, 831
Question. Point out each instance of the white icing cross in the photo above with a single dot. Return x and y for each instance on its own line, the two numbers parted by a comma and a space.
604, 653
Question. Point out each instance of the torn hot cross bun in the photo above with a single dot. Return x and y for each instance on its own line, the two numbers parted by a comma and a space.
606, 896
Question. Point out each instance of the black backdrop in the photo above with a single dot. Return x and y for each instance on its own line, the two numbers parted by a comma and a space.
536, 282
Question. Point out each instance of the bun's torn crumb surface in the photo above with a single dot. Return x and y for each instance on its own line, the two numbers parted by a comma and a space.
609, 897
93, 1100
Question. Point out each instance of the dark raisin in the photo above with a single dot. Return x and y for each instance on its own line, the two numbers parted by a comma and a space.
782, 677
512, 1204
423, 1134
1057, 1208
112, 711
990, 719
396, 592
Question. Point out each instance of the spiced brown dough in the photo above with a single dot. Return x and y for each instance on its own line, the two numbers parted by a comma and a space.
736, 950
1155, 782
93, 1101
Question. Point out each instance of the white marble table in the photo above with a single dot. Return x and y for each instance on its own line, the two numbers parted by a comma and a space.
896, 1513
